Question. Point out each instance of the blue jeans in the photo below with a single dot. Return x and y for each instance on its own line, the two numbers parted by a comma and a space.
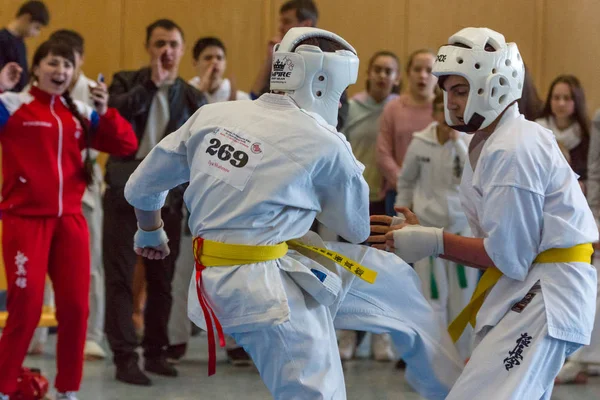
390, 200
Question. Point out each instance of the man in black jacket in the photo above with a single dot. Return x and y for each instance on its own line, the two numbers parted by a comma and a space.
156, 102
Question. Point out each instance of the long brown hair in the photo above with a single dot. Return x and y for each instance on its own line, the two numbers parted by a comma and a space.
530, 103
385, 53
62, 49
580, 114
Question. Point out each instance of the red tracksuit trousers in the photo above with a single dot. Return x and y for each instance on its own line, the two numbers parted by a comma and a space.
31, 248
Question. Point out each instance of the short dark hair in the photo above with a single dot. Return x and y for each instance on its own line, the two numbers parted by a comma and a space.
205, 42
72, 38
162, 23
305, 10
326, 44
37, 10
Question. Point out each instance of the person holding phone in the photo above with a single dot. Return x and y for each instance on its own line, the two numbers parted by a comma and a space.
42, 134
83, 89
157, 102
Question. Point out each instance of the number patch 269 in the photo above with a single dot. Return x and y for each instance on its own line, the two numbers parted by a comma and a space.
226, 152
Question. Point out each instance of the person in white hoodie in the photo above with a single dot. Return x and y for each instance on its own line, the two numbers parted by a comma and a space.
428, 183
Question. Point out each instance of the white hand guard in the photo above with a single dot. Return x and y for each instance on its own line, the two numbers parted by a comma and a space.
415, 242
397, 220
155, 238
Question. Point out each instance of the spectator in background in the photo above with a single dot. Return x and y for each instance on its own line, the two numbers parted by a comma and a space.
403, 116
81, 89
565, 114
361, 129
292, 14
44, 230
210, 62
157, 102
31, 17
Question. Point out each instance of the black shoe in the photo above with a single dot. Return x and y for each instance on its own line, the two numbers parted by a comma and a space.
238, 357
175, 353
195, 330
131, 373
400, 364
159, 366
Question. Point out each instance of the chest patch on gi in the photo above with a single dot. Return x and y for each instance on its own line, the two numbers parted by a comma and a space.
520, 306
230, 156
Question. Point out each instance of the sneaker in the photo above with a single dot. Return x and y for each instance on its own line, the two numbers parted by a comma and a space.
572, 372
381, 347
347, 345
65, 396
160, 366
130, 372
238, 357
93, 352
593, 370
176, 352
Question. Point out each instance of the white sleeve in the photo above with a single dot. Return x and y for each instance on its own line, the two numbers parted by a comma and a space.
345, 208
593, 180
407, 178
513, 220
164, 168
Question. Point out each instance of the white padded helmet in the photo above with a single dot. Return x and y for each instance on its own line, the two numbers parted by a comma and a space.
494, 69
313, 78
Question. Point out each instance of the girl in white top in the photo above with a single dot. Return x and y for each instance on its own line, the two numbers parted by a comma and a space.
428, 184
532, 227
566, 116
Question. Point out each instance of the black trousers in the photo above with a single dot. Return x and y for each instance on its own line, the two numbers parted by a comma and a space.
119, 258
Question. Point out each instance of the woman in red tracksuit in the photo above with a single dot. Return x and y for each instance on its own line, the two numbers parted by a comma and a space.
42, 134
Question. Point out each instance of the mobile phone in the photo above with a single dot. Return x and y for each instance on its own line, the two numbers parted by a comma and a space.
99, 80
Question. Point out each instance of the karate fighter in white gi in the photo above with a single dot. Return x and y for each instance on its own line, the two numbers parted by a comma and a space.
259, 173
531, 223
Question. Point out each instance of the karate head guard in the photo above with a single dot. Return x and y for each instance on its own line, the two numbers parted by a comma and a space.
315, 79
495, 75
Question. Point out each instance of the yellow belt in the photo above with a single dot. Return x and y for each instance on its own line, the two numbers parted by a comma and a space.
217, 254
579, 253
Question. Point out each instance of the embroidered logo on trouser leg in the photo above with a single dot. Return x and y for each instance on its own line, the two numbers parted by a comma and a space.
515, 356
20, 261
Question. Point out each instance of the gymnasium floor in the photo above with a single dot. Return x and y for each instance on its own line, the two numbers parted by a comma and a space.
365, 380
